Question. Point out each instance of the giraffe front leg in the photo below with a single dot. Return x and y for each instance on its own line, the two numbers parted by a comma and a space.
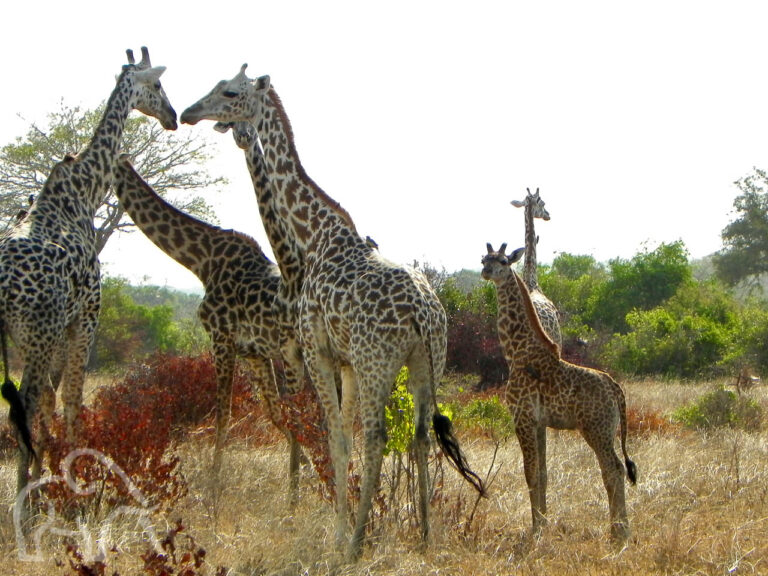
526, 437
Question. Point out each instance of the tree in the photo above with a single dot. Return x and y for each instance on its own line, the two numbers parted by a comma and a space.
165, 160
745, 252
642, 283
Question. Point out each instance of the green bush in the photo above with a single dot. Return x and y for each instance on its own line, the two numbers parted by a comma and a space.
487, 415
399, 415
721, 408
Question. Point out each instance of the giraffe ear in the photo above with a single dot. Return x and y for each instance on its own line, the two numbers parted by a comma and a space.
262, 83
223, 127
516, 255
517, 203
150, 75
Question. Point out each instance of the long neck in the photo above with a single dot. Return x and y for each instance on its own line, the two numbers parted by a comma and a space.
530, 273
96, 161
520, 330
308, 211
284, 246
189, 241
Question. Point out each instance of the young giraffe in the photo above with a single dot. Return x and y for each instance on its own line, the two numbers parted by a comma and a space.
49, 268
238, 309
534, 208
545, 391
358, 313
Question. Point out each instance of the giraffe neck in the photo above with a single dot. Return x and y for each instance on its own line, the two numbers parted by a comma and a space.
287, 253
520, 330
530, 273
308, 211
189, 241
96, 161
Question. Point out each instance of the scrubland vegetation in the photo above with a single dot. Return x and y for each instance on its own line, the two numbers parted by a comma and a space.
700, 507
670, 331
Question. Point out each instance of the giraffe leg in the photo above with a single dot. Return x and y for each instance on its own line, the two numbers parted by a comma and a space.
375, 387
293, 369
322, 373
79, 336
47, 408
267, 383
33, 381
348, 402
527, 438
422, 396
541, 468
612, 471
224, 362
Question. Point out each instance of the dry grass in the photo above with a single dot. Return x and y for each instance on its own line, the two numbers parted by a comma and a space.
700, 507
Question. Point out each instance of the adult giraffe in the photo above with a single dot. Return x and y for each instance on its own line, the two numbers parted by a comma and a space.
534, 208
358, 313
238, 310
49, 269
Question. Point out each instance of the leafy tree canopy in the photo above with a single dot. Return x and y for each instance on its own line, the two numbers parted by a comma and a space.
166, 160
645, 281
745, 252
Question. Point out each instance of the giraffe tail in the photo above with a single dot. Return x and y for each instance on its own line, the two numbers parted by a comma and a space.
17, 414
450, 447
622, 402
443, 428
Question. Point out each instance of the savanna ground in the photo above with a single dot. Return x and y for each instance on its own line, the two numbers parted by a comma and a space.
700, 507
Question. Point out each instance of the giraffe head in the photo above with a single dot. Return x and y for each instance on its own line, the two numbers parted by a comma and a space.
535, 202
235, 100
497, 264
244, 133
146, 93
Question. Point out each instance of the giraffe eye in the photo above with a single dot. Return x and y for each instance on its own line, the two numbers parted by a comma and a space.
230, 94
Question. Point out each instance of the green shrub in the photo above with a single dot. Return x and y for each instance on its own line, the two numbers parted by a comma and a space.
489, 416
721, 408
399, 415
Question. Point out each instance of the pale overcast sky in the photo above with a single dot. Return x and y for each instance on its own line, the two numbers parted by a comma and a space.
424, 119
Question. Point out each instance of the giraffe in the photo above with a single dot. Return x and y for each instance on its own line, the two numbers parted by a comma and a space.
534, 208
545, 391
358, 313
49, 268
238, 309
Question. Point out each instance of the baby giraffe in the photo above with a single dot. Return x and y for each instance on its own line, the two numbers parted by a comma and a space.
545, 391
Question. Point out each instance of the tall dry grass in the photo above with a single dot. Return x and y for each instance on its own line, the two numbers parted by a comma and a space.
700, 507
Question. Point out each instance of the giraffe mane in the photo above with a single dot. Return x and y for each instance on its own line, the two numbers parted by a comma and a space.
334, 204
533, 317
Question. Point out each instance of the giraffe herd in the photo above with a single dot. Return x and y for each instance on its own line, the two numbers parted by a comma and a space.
331, 306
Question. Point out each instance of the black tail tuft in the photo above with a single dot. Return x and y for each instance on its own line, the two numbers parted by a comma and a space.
18, 414
631, 471
450, 446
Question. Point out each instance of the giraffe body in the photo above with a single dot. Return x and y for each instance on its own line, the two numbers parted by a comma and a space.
358, 314
238, 310
546, 310
545, 391
49, 267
